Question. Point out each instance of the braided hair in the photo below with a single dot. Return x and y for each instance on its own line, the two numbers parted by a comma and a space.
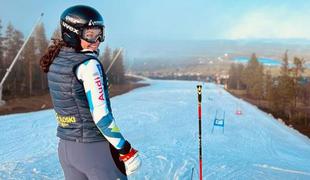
52, 51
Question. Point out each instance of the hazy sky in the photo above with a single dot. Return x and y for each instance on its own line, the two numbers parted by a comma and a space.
175, 19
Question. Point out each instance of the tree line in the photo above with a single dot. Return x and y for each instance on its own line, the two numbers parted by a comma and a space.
286, 95
26, 78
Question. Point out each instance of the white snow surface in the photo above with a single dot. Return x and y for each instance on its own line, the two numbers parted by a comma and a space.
161, 121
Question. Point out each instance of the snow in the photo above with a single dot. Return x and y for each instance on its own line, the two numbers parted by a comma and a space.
161, 121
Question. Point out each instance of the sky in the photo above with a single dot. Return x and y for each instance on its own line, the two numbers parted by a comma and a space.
136, 24
175, 19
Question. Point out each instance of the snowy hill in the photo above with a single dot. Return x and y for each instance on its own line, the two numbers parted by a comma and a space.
161, 122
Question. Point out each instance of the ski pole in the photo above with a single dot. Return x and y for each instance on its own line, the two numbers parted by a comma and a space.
199, 89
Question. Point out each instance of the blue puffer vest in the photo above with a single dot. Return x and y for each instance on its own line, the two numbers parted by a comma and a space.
75, 122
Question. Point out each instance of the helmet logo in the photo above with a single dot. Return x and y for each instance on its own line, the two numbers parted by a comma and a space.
72, 29
91, 23
94, 23
72, 20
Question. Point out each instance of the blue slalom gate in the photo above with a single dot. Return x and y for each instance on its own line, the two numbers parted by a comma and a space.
219, 121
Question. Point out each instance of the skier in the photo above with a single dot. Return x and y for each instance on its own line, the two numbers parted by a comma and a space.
91, 145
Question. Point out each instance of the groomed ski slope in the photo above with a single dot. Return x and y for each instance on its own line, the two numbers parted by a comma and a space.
160, 120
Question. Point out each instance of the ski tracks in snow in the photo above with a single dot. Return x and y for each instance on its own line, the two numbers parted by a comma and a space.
265, 166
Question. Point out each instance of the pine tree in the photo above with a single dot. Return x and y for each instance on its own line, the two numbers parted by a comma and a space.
286, 88
41, 45
106, 60
9, 45
41, 42
57, 33
117, 69
269, 87
297, 71
274, 97
232, 80
258, 86
7, 59
13, 42
29, 60
2, 68
235, 74
284, 67
239, 70
305, 94
252, 77
113, 76
19, 69
247, 74
299, 67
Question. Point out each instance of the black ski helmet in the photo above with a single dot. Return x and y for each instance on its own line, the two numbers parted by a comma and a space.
77, 18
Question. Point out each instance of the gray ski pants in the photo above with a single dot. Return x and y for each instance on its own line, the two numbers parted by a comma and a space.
90, 161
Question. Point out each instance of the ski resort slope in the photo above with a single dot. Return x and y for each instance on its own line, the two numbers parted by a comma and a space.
161, 121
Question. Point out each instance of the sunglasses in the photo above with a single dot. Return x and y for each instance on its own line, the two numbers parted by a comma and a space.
93, 34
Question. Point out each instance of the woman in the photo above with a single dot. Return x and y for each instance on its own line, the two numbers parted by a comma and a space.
91, 145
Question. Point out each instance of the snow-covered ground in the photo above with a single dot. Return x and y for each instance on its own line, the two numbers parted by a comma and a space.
161, 122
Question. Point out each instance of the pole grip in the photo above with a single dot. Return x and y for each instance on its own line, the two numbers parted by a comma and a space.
199, 89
